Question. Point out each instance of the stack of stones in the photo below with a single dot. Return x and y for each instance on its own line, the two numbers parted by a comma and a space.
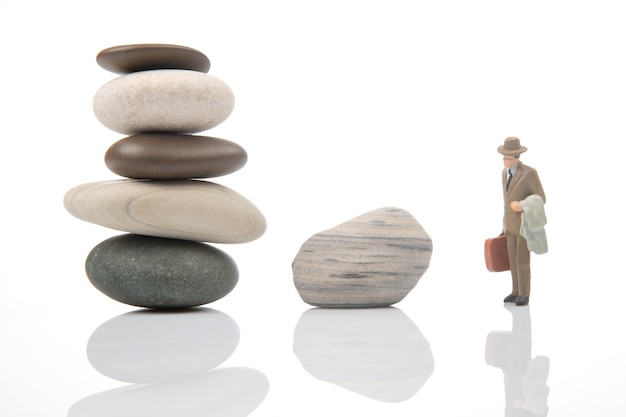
169, 212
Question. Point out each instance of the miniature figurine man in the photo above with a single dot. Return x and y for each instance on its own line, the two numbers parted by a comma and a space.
519, 182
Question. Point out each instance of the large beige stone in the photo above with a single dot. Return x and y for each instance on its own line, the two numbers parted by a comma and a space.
373, 260
183, 209
168, 100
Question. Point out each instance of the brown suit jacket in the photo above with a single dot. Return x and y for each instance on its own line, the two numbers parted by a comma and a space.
525, 182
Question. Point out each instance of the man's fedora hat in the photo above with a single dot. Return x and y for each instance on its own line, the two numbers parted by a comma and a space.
511, 147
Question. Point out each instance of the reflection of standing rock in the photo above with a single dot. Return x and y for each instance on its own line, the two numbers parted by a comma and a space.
170, 358
379, 353
162, 97
373, 260
526, 392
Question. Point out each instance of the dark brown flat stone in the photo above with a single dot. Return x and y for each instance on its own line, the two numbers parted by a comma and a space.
125, 59
174, 156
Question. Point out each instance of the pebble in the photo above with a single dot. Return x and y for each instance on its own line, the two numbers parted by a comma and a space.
178, 209
373, 260
174, 156
169, 101
158, 273
125, 59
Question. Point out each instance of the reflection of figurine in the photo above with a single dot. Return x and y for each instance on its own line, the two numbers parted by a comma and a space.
526, 392
523, 217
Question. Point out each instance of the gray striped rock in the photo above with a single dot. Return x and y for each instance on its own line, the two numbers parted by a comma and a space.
178, 209
373, 260
168, 100
158, 273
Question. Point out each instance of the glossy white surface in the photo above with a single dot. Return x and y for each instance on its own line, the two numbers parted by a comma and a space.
343, 107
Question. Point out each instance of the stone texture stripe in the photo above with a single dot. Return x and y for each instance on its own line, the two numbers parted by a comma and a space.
179, 209
175, 101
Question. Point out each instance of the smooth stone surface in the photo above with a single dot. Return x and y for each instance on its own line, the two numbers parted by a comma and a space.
377, 352
171, 101
174, 156
180, 209
224, 392
124, 59
146, 346
373, 260
159, 273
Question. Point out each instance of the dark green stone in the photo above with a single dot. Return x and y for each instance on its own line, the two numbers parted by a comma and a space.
160, 273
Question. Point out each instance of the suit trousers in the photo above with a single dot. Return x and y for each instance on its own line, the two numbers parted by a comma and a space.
519, 261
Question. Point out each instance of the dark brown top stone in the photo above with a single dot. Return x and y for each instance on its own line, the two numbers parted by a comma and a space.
174, 156
125, 59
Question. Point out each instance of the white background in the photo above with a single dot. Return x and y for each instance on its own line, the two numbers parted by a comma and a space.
343, 107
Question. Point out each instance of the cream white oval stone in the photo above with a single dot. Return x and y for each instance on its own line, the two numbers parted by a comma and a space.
177, 101
185, 209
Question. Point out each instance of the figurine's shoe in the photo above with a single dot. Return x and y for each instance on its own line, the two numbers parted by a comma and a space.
511, 298
521, 300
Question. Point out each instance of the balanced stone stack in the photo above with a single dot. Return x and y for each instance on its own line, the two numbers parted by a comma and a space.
162, 99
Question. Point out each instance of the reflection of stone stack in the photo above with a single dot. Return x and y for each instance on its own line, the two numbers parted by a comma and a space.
173, 366
163, 97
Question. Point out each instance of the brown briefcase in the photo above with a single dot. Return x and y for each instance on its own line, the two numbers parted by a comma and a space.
496, 255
